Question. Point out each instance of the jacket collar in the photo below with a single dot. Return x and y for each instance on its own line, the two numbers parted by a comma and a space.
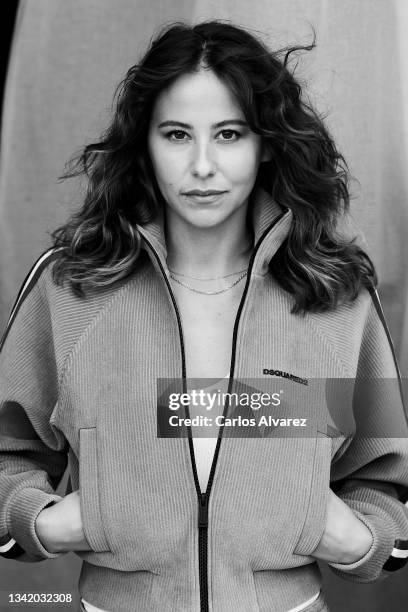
270, 220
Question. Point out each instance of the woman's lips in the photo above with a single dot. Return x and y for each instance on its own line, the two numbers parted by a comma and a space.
204, 197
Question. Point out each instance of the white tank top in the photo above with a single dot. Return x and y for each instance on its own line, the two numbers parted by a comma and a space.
204, 448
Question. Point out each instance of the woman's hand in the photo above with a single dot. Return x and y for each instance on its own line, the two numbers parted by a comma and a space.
59, 527
345, 539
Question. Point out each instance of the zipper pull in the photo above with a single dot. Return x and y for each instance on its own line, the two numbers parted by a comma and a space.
203, 512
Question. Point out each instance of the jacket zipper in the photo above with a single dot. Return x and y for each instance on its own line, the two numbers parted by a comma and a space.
203, 498
203, 547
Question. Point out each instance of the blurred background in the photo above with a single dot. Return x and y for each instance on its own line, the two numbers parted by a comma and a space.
64, 62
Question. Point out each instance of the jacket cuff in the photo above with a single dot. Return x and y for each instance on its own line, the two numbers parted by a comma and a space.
370, 567
22, 511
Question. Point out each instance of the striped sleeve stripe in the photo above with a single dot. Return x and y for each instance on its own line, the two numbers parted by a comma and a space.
27, 286
380, 312
11, 550
6, 547
400, 554
398, 557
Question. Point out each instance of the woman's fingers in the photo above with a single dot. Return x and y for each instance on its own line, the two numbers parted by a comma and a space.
345, 539
59, 527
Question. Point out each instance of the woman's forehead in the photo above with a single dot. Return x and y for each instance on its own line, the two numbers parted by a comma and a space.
197, 97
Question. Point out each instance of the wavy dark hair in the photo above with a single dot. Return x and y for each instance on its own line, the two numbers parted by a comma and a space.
306, 172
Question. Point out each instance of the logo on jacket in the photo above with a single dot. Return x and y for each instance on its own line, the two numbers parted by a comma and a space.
302, 381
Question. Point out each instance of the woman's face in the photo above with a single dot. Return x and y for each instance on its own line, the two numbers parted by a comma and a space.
204, 155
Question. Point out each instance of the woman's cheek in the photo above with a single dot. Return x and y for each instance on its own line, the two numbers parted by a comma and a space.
243, 164
173, 167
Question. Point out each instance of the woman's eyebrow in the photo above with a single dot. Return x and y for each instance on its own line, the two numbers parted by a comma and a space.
171, 123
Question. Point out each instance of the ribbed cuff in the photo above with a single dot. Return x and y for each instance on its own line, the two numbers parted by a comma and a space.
22, 511
370, 567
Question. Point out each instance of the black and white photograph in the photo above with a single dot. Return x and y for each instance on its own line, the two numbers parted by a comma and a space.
204, 306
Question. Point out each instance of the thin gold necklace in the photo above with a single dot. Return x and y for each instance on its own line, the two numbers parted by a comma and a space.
209, 292
206, 279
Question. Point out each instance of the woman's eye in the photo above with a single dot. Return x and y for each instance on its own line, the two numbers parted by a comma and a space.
230, 135
176, 135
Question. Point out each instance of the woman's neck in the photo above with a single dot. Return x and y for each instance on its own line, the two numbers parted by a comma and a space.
206, 252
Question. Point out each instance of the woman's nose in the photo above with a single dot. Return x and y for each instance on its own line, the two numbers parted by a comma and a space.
203, 163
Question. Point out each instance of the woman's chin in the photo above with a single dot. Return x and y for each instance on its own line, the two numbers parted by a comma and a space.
207, 217
206, 220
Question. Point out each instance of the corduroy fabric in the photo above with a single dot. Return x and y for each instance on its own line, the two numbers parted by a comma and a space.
78, 388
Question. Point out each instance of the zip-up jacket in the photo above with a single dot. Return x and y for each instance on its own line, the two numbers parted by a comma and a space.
78, 389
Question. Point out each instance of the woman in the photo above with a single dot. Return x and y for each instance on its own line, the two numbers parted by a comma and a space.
206, 248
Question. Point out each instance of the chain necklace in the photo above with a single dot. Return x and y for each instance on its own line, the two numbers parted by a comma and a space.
209, 292
207, 279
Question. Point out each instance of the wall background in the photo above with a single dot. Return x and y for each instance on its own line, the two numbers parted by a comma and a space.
67, 58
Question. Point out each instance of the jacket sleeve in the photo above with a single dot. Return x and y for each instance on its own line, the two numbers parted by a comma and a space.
371, 472
33, 453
